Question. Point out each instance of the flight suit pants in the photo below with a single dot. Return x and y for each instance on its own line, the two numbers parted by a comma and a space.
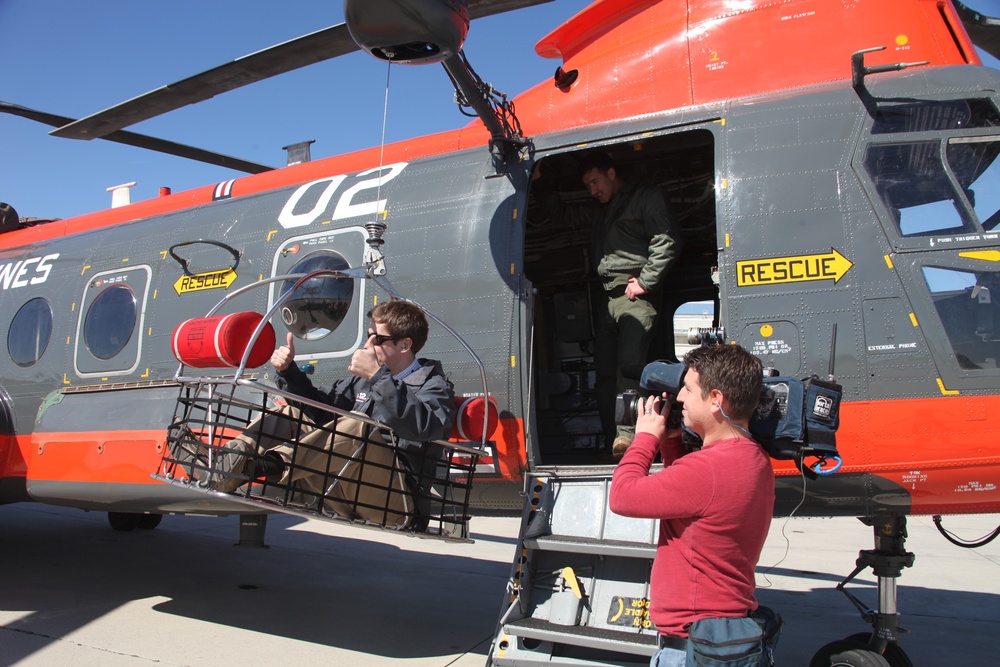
623, 333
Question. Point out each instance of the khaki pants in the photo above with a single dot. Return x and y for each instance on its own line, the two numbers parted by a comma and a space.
346, 462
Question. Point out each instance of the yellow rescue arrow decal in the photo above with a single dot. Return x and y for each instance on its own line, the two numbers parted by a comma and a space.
202, 281
797, 269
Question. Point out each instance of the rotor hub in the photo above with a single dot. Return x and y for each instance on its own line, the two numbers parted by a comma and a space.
411, 32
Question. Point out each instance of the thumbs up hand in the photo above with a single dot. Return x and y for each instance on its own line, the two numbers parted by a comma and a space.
284, 355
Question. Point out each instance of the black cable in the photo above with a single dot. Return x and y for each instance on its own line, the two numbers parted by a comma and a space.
503, 109
948, 535
788, 542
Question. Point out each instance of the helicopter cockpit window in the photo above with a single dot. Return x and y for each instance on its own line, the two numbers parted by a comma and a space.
915, 187
935, 116
110, 322
974, 162
29, 332
320, 304
966, 303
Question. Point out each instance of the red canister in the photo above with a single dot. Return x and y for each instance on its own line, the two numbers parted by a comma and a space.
220, 341
471, 413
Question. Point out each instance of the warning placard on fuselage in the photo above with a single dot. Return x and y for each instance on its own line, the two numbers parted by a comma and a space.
795, 269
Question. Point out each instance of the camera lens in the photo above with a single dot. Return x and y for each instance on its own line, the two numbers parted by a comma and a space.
627, 407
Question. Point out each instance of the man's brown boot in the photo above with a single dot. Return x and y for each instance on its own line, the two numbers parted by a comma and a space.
619, 446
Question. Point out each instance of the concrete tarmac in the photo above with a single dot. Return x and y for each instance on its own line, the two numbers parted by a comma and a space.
75, 592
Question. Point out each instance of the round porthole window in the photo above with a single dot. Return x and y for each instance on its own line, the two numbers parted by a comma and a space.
319, 305
110, 322
29, 332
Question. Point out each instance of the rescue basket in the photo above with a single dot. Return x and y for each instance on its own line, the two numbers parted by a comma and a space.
257, 444
245, 440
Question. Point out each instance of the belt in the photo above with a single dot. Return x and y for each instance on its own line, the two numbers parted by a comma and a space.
670, 641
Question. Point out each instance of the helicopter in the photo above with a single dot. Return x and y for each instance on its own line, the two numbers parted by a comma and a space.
836, 214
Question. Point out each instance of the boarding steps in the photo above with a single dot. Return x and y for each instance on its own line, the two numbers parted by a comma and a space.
571, 542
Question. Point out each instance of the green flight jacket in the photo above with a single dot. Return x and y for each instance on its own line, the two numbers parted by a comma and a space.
633, 235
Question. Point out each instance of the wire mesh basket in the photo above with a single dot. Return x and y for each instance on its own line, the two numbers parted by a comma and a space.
261, 445
257, 444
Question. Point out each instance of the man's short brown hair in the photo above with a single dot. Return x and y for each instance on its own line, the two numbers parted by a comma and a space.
404, 320
598, 160
733, 371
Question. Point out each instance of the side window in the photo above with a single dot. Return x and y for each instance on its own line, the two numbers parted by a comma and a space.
325, 314
110, 320
927, 192
966, 305
29, 332
925, 116
915, 188
973, 159
319, 305
109, 331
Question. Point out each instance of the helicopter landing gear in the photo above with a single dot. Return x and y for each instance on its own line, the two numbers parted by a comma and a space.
880, 648
893, 654
845, 653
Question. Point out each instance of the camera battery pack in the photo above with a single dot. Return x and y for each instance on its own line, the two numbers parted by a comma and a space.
796, 417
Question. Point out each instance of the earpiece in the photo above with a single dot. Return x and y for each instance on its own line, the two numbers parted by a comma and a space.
404, 348
736, 426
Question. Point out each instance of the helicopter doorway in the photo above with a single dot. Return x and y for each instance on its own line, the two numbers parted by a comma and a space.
559, 263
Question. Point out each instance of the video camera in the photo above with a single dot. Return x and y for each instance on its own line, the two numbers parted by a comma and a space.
657, 378
794, 418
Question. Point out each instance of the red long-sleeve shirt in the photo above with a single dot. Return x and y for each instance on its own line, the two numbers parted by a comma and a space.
715, 508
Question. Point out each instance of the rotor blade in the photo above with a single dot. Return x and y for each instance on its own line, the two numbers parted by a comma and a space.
309, 49
482, 8
143, 141
299, 52
984, 31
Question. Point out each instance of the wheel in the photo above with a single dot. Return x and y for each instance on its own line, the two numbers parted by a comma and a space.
894, 654
149, 521
123, 521
845, 653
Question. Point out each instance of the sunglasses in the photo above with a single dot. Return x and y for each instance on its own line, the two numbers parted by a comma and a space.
381, 339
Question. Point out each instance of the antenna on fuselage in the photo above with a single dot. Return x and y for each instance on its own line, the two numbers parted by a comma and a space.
120, 194
833, 355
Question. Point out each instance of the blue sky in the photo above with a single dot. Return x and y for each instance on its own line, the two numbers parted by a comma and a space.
73, 58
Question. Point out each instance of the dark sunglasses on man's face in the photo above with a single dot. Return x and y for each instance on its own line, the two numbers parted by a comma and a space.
381, 339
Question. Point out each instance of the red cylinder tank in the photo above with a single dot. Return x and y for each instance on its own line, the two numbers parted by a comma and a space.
471, 413
220, 341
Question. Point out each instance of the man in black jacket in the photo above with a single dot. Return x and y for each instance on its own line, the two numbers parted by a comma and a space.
389, 383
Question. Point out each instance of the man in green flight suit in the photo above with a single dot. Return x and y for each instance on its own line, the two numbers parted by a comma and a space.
635, 240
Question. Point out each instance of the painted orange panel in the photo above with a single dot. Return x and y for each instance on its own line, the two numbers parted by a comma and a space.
127, 457
511, 450
12, 459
